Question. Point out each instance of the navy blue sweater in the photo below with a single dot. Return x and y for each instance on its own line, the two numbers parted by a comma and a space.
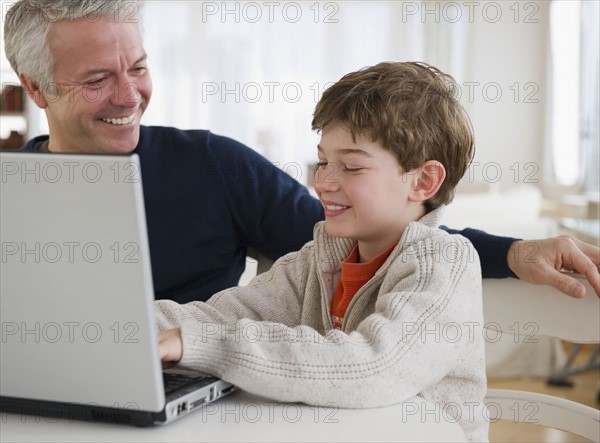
208, 198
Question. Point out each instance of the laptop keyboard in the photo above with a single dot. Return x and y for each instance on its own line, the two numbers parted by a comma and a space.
174, 381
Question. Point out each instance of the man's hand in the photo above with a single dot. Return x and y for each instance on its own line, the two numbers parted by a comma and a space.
540, 262
170, 345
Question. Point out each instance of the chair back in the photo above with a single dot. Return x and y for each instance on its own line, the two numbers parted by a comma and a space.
518, 308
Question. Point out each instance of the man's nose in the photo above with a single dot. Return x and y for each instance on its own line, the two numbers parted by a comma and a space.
126, 92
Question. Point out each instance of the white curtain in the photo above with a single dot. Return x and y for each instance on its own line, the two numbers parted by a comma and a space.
574, 105
590, 95
255, 70
255, 73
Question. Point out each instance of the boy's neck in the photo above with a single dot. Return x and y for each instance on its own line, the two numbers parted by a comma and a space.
368, 250
365, 258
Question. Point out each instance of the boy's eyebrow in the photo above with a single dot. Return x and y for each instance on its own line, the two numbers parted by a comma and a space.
347, 151
356, 151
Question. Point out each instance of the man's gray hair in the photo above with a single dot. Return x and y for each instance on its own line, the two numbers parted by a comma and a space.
29, 21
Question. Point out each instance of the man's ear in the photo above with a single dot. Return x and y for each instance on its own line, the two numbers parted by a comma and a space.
428, 179
34, 91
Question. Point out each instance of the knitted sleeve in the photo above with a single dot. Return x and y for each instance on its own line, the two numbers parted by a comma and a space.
276, 296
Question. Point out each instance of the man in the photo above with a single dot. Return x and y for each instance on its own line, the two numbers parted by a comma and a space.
208, 198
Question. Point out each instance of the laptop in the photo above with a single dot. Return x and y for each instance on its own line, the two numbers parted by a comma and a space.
79, 336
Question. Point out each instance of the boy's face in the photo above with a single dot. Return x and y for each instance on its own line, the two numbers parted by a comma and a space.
103, 86
365, 194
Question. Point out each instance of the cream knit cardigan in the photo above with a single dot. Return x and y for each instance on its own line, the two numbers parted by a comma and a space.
414, 329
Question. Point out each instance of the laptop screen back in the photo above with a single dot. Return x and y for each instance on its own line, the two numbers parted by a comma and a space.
76, 288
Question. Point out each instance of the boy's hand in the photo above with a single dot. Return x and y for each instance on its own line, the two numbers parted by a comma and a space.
540, 262
170, 345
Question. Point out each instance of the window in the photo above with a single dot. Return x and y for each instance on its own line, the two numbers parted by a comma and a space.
574, 92
565, 65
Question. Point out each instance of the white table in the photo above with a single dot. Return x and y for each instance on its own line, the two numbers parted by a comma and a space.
244, 417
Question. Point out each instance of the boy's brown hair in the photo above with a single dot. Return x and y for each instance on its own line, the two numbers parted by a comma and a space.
412, 110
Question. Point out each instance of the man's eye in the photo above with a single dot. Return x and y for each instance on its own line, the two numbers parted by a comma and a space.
96, 83
321, 165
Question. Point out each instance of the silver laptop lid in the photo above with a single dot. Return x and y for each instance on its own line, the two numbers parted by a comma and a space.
76, 294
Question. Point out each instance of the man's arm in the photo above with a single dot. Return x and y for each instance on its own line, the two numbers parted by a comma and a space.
537, 261
273, 212
492, 250
540, 261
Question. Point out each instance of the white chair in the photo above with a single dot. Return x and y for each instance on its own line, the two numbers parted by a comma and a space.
256, 263
263, 264
519, 308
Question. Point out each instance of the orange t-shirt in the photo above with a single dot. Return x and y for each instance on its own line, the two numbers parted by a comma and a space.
354, 277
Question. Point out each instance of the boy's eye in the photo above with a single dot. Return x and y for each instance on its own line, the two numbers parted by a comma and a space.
352, 168
345, 168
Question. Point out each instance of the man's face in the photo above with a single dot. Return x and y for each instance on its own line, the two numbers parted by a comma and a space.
101, 86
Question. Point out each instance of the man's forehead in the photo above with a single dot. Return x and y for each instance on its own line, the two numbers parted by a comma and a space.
81, 41
82, 31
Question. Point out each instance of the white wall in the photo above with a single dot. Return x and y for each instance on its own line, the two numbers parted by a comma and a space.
509, 58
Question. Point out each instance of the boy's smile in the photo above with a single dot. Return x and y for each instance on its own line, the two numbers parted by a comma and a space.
333, 209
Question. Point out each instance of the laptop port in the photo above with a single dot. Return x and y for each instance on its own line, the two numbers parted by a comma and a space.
227, 390
199, 402
182, 408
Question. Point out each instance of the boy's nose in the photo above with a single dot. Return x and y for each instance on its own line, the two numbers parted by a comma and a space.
326, 179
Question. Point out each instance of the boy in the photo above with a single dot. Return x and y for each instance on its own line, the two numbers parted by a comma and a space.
336, 321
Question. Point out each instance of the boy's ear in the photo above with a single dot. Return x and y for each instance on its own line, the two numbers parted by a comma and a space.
427, 181
34, 91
